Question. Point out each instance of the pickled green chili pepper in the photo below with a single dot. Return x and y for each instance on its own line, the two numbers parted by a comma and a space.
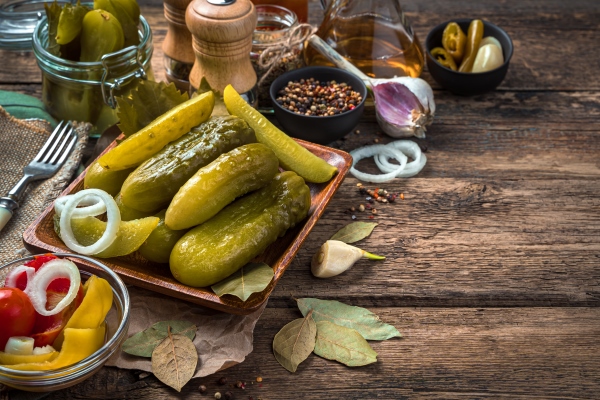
474, 36
454, 41
444, 58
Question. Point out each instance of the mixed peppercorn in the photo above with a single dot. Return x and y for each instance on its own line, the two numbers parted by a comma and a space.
318, 98
372, 196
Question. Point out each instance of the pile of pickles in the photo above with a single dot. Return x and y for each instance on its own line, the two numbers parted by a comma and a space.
468, 53
78, 33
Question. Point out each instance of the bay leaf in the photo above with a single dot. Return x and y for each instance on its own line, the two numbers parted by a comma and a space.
174, 361
294, 342
143, 343
362, 320
355, 231
345, 345
251, 278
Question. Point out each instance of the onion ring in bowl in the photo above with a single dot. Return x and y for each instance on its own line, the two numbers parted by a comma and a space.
51, 270
11, 278
370, 151
92, 208
112, 226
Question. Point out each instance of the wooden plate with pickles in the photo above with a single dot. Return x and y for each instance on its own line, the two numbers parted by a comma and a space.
134, 269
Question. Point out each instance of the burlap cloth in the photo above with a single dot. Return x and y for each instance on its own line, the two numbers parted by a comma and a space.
20, 140
222, 340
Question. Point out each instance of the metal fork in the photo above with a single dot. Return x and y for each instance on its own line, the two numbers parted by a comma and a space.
50, 158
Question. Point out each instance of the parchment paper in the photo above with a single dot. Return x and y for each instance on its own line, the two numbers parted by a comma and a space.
222, 340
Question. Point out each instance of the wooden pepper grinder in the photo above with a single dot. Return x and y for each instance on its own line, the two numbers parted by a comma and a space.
179, 54
222, 40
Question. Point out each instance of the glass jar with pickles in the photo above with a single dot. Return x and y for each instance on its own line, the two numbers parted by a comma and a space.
84, 88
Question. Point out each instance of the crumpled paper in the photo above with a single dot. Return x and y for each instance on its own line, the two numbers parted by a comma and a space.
222, 340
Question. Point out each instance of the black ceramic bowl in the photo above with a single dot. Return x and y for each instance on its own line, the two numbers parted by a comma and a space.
464, 83
321, 130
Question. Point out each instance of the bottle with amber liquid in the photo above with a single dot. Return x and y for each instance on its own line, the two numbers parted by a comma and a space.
298, 7
374, 35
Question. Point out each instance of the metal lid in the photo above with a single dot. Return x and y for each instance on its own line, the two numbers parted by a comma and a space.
18, 19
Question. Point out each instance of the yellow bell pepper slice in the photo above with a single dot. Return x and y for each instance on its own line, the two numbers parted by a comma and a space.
11, 359
92, 311
78, 344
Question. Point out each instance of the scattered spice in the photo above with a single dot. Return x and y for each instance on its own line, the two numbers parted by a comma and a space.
222, 380
258, 379
361, 207
374, 211
239, 384
202, 388
217, 395
401, 196
353, 217
228, 395
358, 133
322, 99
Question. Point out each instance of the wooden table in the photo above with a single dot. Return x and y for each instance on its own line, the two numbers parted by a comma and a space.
493, 257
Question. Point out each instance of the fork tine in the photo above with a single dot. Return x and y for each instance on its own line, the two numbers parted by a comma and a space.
70, 137
67, 151
50, 139
57, 141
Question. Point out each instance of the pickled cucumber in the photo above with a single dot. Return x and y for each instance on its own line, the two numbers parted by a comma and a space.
105, 179
128, 213
154, 183
161, 241
214, 250
101, 33
128, 14
213, 187
70, 22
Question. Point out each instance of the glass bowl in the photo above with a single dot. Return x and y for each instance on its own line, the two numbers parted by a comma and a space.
117, 323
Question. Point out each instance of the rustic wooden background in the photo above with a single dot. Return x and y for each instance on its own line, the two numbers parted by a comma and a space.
493, 258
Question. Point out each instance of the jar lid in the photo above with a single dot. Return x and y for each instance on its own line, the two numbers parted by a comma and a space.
18, 19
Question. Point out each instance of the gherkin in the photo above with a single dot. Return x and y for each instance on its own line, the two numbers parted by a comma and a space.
128, 14
101, 34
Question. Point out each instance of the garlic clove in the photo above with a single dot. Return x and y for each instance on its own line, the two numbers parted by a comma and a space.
333, 258
43, 350
488, 57
19, 345
490, 40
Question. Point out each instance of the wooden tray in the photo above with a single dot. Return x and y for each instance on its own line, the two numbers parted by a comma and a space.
136, 270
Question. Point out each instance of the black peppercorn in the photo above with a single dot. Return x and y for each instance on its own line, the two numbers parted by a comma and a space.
202, 388
222, 381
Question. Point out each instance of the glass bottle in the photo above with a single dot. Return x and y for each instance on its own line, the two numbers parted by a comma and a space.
86, 91
374, 35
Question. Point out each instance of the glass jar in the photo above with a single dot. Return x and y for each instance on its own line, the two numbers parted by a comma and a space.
277, 46
298, 7
85, 91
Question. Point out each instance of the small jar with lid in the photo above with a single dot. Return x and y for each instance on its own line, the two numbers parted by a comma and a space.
86, 91
277, 45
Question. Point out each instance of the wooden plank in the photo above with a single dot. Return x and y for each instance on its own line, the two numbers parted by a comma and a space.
445, 354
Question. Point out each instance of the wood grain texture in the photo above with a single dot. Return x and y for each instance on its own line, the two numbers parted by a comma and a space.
445, 354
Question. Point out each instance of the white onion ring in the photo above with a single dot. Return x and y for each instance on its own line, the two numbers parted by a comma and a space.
112, 226
93, 206
409, 148
370, 151
51, 270
11, 278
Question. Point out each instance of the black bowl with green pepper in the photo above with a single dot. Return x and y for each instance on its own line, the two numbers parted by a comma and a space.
468, 83
318, 104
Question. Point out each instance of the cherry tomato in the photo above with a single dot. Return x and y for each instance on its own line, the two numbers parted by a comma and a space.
60, 285
16, 313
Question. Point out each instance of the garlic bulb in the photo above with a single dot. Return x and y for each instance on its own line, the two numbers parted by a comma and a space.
335, 257
404, 106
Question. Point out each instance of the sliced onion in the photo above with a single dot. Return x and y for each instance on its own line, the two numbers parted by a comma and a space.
93, 206
409, 148
53, 269
370, 151
112, 226
11, 278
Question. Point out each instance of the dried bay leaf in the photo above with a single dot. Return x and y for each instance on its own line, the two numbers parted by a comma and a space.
143, 343
294, 342
354, 232
251, 278
360, 319
174, 360
148, 101
345, 345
